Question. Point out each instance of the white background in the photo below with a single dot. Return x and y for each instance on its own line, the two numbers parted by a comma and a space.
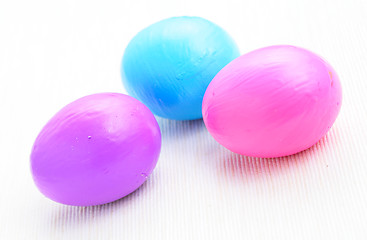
53, 52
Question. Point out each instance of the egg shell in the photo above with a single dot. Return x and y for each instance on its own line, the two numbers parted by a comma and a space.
272, 102
169, 64
95, 150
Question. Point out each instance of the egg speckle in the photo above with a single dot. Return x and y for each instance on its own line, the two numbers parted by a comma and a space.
272, 102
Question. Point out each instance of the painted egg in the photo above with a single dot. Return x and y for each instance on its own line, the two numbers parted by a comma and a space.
272, 102
169, 64
96, 150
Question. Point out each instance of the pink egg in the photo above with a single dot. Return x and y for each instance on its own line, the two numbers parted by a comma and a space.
272, 102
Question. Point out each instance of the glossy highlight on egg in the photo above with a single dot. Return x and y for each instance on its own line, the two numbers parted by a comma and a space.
169, 64
96, 150
272, 102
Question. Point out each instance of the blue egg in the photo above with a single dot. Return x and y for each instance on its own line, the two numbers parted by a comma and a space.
169, 64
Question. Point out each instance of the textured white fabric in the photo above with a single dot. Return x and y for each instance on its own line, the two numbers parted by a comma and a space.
52, 52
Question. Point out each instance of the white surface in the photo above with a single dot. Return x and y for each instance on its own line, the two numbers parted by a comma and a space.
52, 52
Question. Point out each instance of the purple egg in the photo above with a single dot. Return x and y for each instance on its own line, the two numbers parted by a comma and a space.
96, 150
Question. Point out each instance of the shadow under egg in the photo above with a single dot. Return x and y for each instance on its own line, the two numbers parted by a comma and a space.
229, 165
179, 129
74, 218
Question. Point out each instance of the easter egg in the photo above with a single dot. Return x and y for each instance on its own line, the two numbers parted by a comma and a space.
169, 64
96, 150
272, 102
